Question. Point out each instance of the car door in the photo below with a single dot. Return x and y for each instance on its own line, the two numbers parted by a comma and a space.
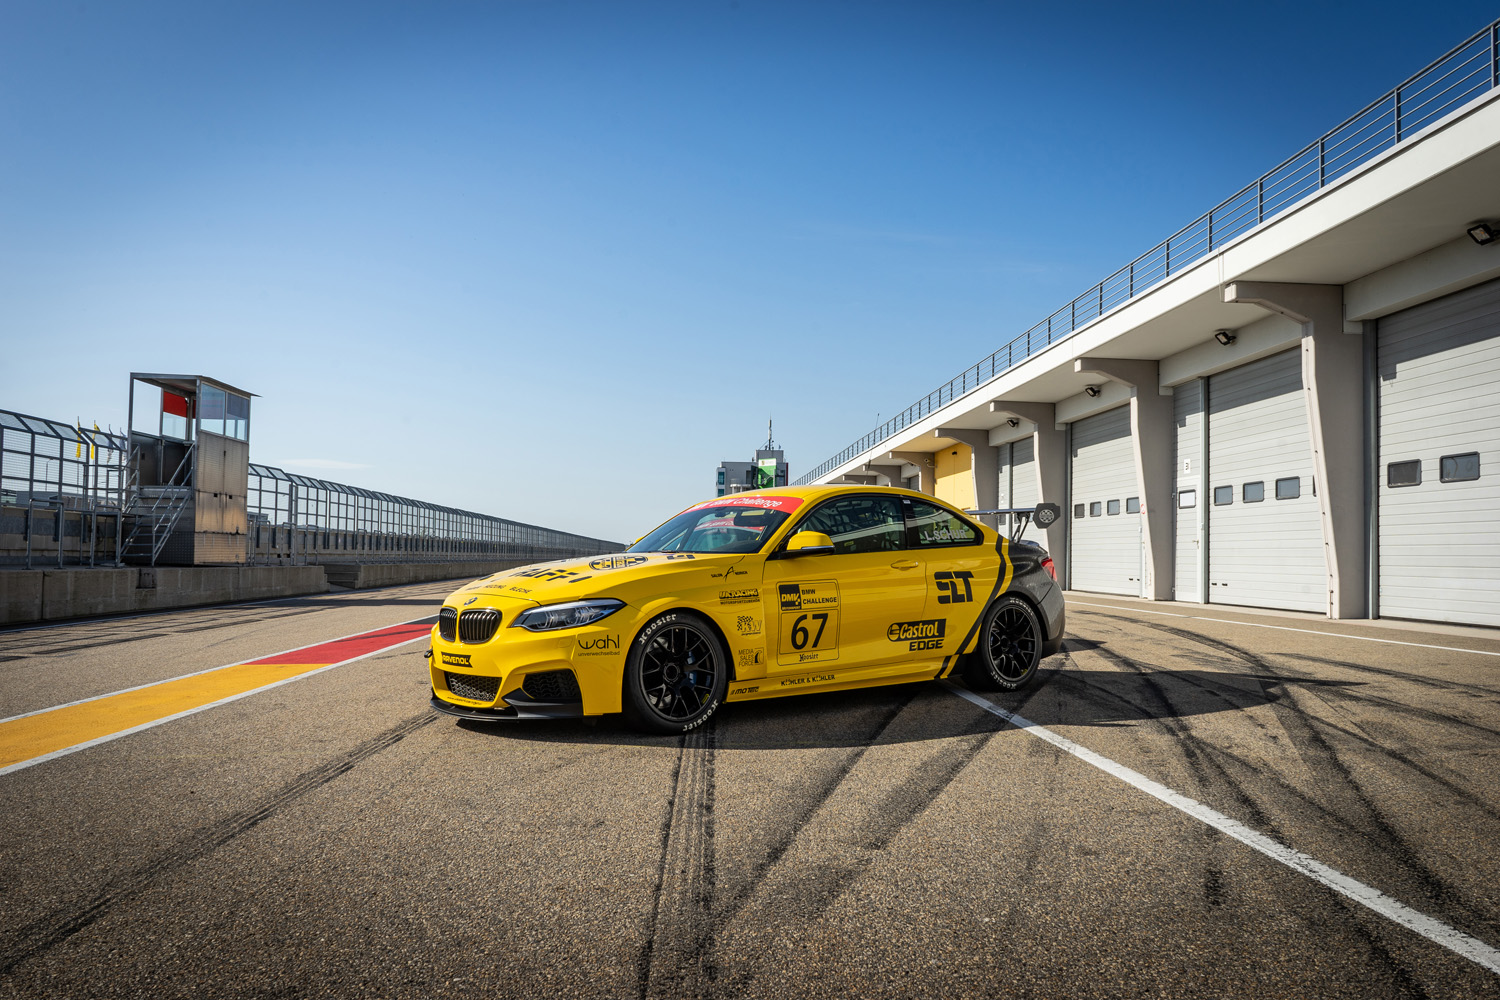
836, 611
961, 570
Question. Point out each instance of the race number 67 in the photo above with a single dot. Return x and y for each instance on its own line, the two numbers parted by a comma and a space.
800, 633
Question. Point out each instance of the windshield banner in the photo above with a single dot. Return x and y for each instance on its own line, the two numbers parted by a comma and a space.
783, 504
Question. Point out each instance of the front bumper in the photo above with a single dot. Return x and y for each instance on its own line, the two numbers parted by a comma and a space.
518, 707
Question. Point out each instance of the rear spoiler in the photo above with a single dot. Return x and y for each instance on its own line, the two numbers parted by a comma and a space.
1044, 514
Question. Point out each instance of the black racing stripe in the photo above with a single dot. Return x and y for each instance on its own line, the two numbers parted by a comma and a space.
994, 593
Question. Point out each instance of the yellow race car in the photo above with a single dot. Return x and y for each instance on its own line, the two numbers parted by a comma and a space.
752, 595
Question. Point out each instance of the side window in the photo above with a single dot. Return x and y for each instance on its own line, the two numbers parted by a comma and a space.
1254, 492
1132, 505
1096, 509
1113, 507
859, 523
1223, 495
1459, 468
1289, 488
1078, 510
932, 526
1404, 473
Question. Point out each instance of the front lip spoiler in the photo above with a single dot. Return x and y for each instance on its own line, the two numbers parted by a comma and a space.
518, 707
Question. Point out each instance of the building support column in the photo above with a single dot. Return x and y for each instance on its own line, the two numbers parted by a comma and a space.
985, 468
926, 469
1332, 362
890, 470
1051, 454
1154, 440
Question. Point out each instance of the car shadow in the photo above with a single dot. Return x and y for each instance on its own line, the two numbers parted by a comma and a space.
1062, 695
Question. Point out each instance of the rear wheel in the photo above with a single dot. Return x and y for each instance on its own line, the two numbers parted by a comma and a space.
1010, 646
675, 675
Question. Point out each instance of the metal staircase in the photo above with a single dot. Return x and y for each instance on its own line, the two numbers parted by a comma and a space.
154, 511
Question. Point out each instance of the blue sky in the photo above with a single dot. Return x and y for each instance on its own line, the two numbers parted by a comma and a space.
556, 260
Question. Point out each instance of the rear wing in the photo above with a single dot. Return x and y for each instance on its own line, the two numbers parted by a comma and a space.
1044, 514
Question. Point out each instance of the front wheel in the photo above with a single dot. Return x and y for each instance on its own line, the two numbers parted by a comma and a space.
1010, 646
676, 674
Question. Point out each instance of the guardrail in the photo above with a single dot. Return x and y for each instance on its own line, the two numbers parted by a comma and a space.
1458, 76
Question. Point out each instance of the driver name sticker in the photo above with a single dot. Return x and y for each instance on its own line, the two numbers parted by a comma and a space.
809, 631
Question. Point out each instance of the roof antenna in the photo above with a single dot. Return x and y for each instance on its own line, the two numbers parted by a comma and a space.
770, 438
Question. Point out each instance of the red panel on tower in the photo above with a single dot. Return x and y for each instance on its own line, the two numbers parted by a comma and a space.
173, 403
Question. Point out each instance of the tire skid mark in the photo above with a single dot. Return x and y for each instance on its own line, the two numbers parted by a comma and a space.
1421, 680
49, 931
1206, 770
737, 897
1333, 775
677, 959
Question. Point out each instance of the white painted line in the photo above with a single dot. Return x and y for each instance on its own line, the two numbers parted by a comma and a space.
1432, 929
21, 765
209, 670
1286, 628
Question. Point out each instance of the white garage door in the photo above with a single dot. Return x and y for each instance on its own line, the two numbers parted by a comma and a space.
1187, 406
1105, 543
1265, 537
1439, 492
1018, 485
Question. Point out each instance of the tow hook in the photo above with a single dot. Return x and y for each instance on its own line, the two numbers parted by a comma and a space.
427, 655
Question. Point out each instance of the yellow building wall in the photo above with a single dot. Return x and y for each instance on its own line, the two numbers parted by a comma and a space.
955, 476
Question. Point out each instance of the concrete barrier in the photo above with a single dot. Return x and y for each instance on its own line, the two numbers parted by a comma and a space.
34, 595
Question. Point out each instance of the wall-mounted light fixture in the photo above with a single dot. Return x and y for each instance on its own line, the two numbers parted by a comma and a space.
1482, 233
1014, 422
1224, 337
1092, 390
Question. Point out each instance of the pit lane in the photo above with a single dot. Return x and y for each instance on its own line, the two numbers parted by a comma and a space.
335, 837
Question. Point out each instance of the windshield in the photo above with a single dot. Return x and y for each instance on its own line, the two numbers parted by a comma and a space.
726, 526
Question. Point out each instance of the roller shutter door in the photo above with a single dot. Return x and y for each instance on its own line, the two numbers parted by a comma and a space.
1439, 386
1187, 498
1018, 487
1105, 544
1266, 552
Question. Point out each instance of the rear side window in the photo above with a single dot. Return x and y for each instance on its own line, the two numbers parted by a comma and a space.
931, 526
859, 523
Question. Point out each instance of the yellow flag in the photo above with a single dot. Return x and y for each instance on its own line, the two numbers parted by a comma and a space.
78, 444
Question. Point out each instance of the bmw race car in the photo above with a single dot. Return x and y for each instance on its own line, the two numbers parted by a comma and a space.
752, 595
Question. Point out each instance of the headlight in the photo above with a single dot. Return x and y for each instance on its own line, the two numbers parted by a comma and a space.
570, 615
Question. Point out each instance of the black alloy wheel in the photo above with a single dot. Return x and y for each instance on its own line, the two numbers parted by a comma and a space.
676, 674
1010, 646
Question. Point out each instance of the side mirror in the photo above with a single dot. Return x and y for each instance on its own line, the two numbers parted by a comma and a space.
809, 543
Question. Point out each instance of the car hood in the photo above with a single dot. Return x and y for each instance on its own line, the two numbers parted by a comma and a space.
613, 575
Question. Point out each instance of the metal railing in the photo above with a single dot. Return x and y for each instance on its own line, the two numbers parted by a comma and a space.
47, 465
1468, 70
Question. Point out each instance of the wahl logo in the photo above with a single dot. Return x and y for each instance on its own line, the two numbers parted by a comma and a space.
616, 562
933, 628
456, 660
601, 644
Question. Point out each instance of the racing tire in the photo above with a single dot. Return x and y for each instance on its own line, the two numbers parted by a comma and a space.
675, 674
1010, 647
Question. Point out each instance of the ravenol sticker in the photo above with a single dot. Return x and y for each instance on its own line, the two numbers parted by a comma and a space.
456, 660
616, 562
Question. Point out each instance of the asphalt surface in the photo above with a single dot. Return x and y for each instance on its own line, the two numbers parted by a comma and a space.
335, 837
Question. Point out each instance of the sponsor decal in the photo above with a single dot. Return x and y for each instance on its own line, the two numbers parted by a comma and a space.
794, 681
920, 635
809, 628
953, 588
787, 504
726, 573
541, 573
680, 555
750, 657
802, 596
747, 625
598, 645
616, 562
519, 590
456, 660
748, 689
750, 596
